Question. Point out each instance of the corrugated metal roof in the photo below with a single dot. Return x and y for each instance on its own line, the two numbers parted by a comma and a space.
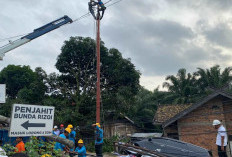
171, 147
146, 135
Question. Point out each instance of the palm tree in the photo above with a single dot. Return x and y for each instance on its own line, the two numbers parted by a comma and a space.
182, 87
213, 77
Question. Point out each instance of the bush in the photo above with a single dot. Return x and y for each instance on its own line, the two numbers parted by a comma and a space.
35, 148
9, 149
108, 145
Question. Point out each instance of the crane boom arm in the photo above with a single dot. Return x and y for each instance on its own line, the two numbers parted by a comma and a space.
35, 34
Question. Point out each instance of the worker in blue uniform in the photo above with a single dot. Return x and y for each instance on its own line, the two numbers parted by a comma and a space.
101, 9
101, 4
98, 139
72, 136
59, 146
81, 150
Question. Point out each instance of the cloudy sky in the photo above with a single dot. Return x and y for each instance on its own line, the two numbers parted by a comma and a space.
160, 36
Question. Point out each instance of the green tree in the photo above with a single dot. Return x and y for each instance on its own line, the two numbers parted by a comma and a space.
162, 97
5, 109
77, 65
145, 106
16, 78
213, 77
35, 92
182, 87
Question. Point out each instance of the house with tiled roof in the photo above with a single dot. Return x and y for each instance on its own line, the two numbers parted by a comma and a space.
192, 123
165, 112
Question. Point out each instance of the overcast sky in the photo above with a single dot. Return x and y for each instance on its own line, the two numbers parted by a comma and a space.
160, 36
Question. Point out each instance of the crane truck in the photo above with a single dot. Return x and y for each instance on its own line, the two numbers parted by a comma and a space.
35, 34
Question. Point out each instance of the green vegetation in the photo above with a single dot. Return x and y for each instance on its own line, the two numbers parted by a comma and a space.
9, 149
72, 91
108, 145
35, 148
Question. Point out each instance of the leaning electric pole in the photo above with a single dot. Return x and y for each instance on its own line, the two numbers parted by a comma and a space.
98, 15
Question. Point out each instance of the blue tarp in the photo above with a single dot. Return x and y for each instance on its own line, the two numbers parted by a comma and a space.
9, 140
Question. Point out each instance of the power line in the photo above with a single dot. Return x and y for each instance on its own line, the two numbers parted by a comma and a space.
107, 1
87, 14
81, 17
8, 38
114, 3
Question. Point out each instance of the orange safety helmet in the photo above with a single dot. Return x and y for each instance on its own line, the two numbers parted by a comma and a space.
68, 130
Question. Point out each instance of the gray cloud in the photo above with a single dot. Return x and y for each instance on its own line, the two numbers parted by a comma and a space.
211, 4
166, 31
220, 35
162, 46
155, 45
145, 31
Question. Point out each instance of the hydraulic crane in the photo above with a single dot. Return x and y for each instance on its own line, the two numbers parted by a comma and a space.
35, 34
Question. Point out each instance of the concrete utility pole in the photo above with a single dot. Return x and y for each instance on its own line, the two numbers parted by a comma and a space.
98, 16
98, 102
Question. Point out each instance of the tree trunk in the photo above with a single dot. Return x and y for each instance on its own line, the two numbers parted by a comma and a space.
64, 141
55, 138
4, 119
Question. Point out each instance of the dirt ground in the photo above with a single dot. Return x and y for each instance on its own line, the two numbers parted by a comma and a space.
89, 154
104, 155
109, 155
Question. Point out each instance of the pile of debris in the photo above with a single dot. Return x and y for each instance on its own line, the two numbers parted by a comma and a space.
160, 147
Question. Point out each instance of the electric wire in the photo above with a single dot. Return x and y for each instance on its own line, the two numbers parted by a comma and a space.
114, 3
8, 38
88, 13
108, 1
81, 17
75, 20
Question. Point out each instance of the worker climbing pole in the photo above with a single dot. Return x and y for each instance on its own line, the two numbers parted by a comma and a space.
97, 9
